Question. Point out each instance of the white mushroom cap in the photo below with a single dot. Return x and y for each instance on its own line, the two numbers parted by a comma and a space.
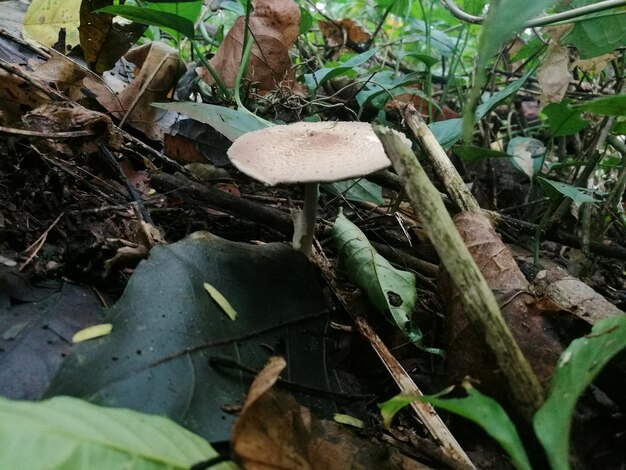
309, 152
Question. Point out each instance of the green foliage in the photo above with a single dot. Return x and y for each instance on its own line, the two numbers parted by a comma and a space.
231, 123
478, 408
578, 366
449, 132
391, 291
505, 18
64, 432
477, 154
359, 190
555, 190
162, 19
563, 119
605, 106
598, 33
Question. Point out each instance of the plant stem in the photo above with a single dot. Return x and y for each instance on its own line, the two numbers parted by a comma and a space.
480, 304
218, 80
304, 223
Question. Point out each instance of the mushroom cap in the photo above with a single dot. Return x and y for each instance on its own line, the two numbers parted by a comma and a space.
309, 152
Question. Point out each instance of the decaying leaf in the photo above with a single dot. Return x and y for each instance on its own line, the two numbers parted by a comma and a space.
595, 64
158, 67
274, 431
534, 332
274, 26
555, 72
572, 295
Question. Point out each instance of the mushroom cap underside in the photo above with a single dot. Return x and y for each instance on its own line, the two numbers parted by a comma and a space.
308, 152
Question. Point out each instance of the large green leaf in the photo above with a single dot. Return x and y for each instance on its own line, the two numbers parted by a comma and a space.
392, 291
579, 364
67, 433
168, 332
229, 122
36, 329
478, 408
186, 9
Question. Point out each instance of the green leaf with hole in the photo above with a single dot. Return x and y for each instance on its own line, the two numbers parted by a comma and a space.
478, 408
578, 366
391, 291
66, 432
555, 190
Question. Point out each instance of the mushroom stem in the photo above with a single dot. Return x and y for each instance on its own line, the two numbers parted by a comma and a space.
304, 224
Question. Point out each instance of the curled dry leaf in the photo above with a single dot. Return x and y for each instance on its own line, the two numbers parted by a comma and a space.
532, 329
67, 117
274, 26
573, 295
555, 72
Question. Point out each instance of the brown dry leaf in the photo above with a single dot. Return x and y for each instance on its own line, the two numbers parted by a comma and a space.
159, 67
66, 75
66, 117
555, 72
274, 25
103, 40
572, 295
346, 32
467, 352
274, 431
16, 95
595, 64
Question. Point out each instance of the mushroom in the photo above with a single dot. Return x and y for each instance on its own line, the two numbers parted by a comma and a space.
309, 153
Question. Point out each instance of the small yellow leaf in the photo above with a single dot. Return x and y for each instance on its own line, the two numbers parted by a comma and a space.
92, 332
221, 301
349, 420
